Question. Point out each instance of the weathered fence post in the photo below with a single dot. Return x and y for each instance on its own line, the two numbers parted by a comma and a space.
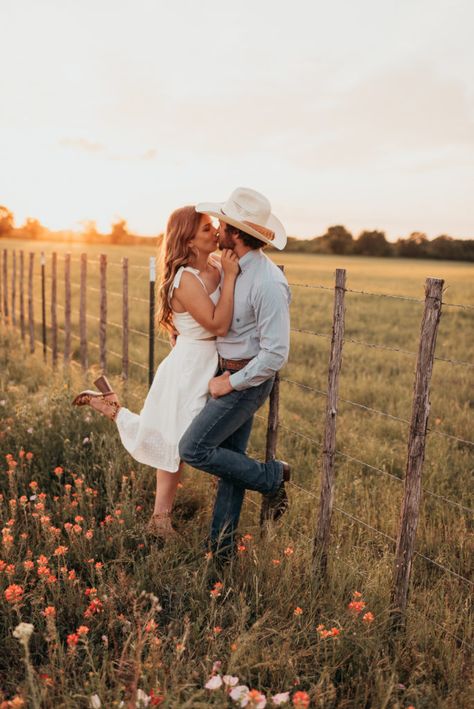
14, 288
416, 449
273, 412
54, 312
321, 541
22, 295
43, 302
67, 309
103, 313
125, 324
151, 329
31, 314
5, 286
83, 313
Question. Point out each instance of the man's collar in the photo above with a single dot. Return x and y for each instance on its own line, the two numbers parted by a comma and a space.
248, 258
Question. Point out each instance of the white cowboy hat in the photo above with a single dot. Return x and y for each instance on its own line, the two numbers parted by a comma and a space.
249, 211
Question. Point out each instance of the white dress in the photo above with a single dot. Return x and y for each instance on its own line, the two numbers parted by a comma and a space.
178, 392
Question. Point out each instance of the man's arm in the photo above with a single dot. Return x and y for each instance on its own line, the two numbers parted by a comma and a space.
272, 313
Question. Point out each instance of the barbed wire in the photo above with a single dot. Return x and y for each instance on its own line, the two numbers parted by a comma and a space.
117, 264
356, 519
310, 541
343, 454
373, 345
370, 409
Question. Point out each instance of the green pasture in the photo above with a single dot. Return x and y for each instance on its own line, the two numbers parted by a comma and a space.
432, 660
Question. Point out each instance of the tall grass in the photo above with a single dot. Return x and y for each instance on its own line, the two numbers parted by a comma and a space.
251, 627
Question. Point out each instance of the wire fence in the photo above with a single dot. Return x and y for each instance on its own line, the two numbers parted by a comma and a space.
9, 302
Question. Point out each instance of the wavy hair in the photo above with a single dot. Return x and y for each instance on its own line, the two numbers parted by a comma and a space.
175, 251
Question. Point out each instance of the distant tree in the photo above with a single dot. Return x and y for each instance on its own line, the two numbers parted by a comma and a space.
32, 228
414, 247
6, 221
443, 247
89, 231
119, 233
372, 243
339, 240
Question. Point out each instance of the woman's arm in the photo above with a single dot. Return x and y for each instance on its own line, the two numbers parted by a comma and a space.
191, 295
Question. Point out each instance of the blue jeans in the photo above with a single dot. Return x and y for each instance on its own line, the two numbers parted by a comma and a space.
216, 442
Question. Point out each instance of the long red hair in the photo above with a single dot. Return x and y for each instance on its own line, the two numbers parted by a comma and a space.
175, 251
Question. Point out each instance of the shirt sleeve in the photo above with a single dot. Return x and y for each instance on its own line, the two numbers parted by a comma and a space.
271, 303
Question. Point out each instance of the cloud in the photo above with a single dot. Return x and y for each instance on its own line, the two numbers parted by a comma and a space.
82, 144
95, 148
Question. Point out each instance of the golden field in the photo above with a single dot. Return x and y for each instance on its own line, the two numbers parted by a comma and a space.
167, 649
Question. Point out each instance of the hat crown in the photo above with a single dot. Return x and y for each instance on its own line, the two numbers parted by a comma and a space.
245, 203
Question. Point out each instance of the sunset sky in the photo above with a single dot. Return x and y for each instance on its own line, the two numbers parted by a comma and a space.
355, 113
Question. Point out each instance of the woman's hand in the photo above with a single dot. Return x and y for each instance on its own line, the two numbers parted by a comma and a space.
230, 263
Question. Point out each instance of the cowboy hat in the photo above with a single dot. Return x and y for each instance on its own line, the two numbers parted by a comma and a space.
249, 211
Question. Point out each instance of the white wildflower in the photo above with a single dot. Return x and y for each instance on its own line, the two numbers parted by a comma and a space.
214, 682
230, 681
240, 694
94, 702
143, 699
23, 632
281, 698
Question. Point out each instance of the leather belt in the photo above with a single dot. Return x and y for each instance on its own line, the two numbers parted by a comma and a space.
233, 365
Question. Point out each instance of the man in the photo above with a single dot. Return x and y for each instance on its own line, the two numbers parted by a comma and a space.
253, 350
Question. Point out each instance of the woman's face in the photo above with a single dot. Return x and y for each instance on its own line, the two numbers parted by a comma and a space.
205, 239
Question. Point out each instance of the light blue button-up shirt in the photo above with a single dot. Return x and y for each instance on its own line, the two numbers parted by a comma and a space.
260, 325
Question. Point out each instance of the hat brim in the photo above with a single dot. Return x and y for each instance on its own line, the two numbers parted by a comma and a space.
214, 209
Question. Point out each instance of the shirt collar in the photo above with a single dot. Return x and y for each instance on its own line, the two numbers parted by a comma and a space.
249, 258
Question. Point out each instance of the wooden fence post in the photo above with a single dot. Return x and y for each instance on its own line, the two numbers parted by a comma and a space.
31, 313
321, 541
273, 416
54, 312
83, 313
67, 309
14, 287
22, 295
5, 286
416, 449
125, 323
43, 302
103, 314
151, 328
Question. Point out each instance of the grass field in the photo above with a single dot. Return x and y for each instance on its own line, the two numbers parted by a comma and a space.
251, 627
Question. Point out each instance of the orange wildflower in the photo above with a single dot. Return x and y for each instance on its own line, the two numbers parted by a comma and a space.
14, 593
49, 612
276, 562
298, 611
58, 471
82, 630
368, 617
60, 551
356, 606
289, 551
33, 485
72, 640
217, 629
28, 565
301, 700
29, 455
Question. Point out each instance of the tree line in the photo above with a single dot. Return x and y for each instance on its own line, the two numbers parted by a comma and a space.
336, 240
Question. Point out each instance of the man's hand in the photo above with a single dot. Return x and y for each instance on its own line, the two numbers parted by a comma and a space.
220, 386
173, 337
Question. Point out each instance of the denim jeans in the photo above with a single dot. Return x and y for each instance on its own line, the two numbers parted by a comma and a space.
216, 442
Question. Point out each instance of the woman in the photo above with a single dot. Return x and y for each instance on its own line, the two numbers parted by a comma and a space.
196, 299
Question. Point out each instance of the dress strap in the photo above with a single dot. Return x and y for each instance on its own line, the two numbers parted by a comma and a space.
178, 275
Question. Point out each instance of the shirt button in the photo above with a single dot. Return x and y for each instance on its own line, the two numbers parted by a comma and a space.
238, 319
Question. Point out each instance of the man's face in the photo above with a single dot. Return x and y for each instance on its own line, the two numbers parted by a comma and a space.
226, 241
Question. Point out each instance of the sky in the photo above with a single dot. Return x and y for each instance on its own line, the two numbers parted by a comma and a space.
354, 113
